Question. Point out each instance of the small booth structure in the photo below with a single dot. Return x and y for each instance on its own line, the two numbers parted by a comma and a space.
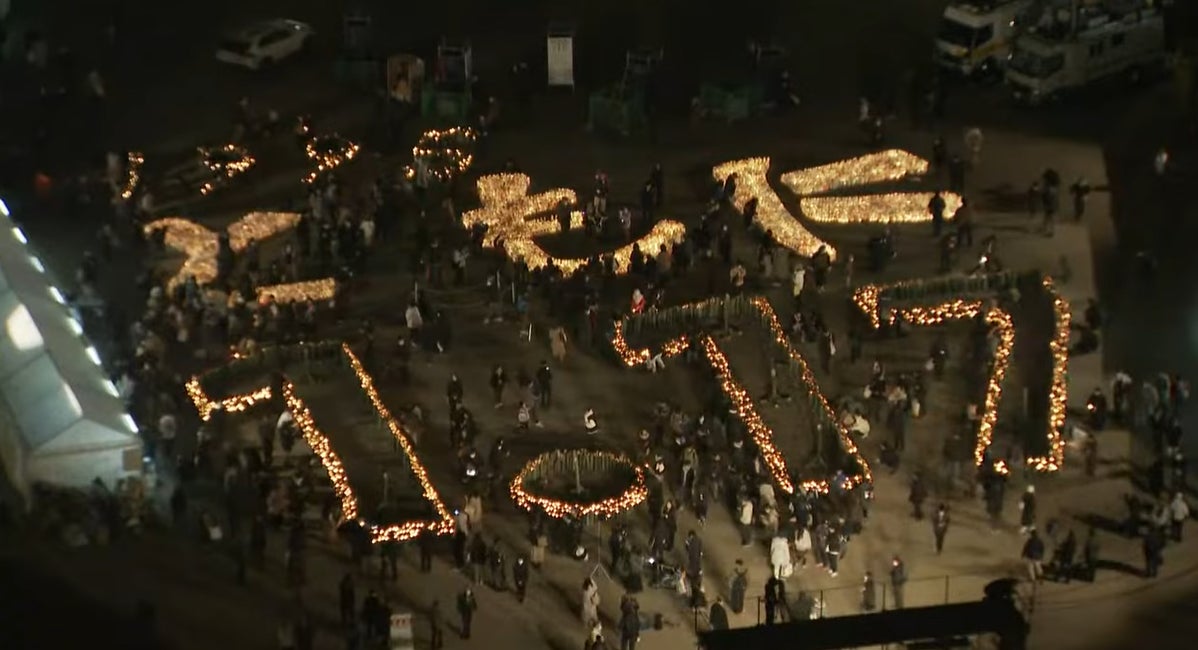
358, 63
62, 421
404, 79
559, 59
450, 95
622, 109
748, 92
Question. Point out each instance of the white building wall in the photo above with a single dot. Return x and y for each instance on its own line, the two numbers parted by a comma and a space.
78, 469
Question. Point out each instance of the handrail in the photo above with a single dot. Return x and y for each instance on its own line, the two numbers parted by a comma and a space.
885, 596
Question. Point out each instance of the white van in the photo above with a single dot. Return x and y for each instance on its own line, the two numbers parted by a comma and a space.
974, 38
1047, 63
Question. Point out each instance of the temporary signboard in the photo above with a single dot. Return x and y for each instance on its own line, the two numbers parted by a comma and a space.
402, 637
561, 60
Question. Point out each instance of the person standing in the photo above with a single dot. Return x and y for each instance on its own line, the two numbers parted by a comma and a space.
424, 541
798, 279
744, 521
498, 382
436, 626
630, 628
869, 593
963, 221
918, 494
545, 384
1154, 544
346, 591
1080, 191
940, 523
1064, 556
773, 600
1033, 555
520, 578
1090, 555
557, 343
832, 551
936, 207
1179, 512
740, 585
1027, 509
371, 607
780, 556
898, 580
694, 560
590, 602
467, 605
718, 616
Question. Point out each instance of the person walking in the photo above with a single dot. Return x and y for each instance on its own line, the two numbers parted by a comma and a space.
467, 605
940, 522
898, 580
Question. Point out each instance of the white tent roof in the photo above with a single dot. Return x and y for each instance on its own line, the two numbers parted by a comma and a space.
50, 377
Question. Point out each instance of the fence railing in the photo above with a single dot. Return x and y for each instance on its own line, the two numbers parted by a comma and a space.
916, 592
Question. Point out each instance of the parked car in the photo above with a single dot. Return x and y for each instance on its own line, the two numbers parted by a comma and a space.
265, 43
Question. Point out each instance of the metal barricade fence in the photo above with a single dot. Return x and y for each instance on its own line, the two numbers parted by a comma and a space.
916, 592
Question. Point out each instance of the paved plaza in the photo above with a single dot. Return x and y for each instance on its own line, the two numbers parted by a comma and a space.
193, 583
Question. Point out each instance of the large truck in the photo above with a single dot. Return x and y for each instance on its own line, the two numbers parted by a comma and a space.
975, 36
1084, 44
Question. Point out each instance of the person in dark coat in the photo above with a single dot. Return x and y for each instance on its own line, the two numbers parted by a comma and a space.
1154, 544
740, 585
775, 598
1027, 509
425, 541
919, 493
520, 578
1090, 555
1064, 557
371, 607
498, 568
436, 626
694, 559
869, 593
940, 523
478, 559
346, 591
630, 628
1033, 555
467, 605
718, 615
898, 579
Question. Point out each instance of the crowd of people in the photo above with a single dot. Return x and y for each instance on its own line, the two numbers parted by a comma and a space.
698, 459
